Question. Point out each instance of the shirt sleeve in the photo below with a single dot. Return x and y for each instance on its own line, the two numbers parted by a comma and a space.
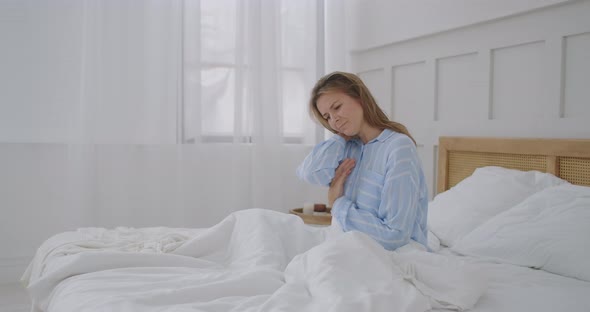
393, 224
319, 166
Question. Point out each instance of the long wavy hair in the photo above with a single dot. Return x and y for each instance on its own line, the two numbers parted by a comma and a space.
354, 87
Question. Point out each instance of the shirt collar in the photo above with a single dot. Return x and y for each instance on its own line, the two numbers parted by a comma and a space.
385, 134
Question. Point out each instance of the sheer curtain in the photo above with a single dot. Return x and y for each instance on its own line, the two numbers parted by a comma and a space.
151, 113
249, 66
215, 94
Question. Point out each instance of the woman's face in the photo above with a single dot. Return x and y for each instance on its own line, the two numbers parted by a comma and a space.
343, 113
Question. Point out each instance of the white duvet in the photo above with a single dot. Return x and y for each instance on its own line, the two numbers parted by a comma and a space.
254, 260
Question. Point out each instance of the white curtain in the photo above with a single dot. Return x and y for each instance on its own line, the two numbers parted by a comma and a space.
249, 67
153, 112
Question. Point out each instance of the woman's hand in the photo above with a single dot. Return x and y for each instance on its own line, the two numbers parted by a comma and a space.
337, 185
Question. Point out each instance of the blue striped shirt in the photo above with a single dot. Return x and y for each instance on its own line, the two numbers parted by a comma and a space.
385, 196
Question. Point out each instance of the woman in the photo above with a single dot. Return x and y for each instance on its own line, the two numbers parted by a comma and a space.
375, 179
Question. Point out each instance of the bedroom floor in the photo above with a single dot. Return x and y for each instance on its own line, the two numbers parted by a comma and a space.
13, 298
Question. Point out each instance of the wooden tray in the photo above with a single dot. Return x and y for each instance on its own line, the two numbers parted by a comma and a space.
320, 218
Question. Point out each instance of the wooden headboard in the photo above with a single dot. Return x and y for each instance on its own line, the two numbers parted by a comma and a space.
458, 157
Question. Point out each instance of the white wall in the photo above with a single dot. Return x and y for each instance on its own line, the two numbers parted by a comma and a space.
523, 75
379, 22
357, 25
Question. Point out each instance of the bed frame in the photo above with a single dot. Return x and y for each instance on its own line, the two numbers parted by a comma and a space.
458, 157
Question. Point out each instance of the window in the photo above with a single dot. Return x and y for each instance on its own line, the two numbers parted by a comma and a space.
220, 42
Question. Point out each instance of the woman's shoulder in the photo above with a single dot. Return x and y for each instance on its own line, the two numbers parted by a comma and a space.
399, 145
393, 138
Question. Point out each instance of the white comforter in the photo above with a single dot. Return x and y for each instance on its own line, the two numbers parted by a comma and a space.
254, 260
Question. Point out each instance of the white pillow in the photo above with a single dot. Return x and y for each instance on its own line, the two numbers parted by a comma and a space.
433, 242
484, 194
549, 230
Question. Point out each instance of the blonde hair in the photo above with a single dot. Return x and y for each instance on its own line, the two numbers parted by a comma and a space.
353, 86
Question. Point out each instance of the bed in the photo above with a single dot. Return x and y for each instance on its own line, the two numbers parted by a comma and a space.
508, 231
521, 278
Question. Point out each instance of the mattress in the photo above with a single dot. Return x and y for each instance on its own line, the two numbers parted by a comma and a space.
514, 288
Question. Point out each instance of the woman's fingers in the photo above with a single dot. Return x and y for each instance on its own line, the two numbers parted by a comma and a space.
337, 186
347, 165
344, 170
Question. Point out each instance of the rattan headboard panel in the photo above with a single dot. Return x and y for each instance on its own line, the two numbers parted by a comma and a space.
462, 164
575, 170
458, 157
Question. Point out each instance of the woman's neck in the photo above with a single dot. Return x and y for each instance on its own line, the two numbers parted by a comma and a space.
368, 133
